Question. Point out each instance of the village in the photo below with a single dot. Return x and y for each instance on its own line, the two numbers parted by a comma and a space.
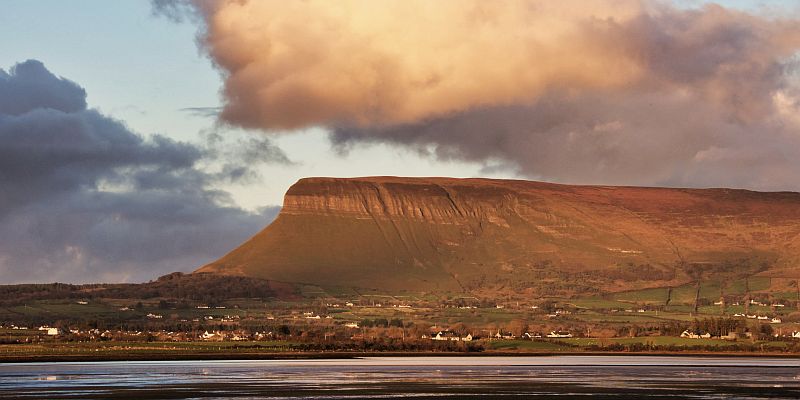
395, 323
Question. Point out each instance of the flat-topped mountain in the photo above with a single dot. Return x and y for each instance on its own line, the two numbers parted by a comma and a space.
489, 235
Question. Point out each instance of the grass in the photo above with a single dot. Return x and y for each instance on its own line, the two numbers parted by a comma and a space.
666, 341
598, 303
685, 294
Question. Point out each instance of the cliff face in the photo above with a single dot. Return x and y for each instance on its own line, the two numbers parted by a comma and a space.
483, 235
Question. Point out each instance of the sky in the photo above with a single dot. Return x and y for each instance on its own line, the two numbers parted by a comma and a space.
140, 138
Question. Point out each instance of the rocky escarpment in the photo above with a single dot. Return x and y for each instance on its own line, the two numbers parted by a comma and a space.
476, 235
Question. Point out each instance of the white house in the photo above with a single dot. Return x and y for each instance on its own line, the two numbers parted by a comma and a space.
206, 335
776, 320
796, 334
695, 335
451, 336
559, 334
504, 335
446, 335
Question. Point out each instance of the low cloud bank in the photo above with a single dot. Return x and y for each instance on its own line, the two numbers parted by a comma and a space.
84, 199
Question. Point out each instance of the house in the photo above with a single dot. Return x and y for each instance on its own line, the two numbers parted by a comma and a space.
531, 336
504, 335
450, 336
738, 315
210, 336
796, 334
51, 331
351, 325
559, 334
775, 320
83, 302
695, 335
763, 317
446, 335
154, 316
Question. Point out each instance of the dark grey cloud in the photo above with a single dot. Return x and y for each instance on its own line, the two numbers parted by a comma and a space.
30, 86
86, 199
208, 112
608, 138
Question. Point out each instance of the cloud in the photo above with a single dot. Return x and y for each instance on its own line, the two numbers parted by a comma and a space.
591, 91
86, 199
202, 111
30, 86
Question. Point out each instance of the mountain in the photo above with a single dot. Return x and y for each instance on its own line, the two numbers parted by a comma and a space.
513, 236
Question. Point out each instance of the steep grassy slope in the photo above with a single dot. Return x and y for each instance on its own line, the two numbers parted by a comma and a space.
484, 235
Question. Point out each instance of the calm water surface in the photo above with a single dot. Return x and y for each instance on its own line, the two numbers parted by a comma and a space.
414, 377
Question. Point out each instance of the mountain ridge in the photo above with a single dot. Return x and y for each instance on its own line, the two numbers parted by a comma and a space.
482, 235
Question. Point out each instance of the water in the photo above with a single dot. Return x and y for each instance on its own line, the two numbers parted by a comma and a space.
413, 377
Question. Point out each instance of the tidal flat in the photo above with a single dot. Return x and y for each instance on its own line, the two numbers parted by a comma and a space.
622, 377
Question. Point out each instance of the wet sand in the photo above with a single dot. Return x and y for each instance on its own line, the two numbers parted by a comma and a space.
418, 377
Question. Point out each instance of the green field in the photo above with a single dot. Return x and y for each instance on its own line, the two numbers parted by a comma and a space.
685, 294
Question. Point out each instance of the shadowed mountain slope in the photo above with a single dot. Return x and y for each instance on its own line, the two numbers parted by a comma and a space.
487, 235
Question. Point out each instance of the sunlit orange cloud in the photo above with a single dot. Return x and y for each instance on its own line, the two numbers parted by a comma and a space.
293, 64
580, 91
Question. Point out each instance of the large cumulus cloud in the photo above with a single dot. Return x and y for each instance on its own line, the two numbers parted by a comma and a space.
85, 199
592, 91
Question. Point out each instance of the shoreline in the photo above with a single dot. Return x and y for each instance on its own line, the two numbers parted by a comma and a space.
67, 358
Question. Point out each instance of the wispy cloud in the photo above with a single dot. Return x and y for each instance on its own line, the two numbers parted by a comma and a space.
207, 112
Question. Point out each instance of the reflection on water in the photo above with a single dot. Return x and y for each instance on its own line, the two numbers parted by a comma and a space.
418, 377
